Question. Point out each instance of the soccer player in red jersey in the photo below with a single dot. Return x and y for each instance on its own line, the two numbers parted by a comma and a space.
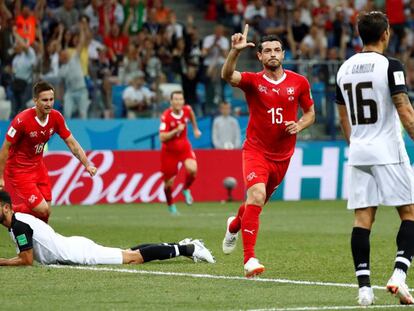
273, 96
21, 156
176, 147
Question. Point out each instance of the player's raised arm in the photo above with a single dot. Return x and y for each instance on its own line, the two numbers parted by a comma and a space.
405, 111
4, 153
79, 153
238, 43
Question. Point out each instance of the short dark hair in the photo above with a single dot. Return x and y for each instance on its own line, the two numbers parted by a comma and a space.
371, 26
175, 92
269, 38
5, 197
41, 86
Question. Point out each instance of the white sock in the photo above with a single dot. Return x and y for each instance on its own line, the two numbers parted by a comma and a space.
399, 275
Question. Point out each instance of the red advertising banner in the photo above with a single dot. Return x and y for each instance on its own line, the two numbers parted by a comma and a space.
134, 176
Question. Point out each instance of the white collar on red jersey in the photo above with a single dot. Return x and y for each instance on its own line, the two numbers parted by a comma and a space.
42, 124
273, 81
177, 116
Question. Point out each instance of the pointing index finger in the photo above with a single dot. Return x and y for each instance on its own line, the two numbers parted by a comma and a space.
246, 30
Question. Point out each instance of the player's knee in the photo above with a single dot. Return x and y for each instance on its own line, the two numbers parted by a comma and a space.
257, 197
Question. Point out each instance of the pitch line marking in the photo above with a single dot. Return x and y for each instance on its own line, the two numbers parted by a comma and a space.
211, 276
333, 308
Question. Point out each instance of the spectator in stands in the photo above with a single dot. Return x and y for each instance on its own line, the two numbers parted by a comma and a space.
151, 25
110, 12
230, 13
26, 20
161, 12
270, 25
71, 74
396, 15
5, 105
67, 14
23, 64
215, 48
136, 12
116, 42
254, 13
314, 45
49, 60
7, 40
321, 15
92, 12
296, 31
226, 129
131, 63
137, 98
174, 29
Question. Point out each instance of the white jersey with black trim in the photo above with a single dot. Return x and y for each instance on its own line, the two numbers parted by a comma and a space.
365, 84
48, 246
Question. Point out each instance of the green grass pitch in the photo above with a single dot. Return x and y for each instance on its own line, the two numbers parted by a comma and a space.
304, 241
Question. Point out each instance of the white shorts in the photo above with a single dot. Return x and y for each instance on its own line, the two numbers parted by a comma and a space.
372, 185
82, 251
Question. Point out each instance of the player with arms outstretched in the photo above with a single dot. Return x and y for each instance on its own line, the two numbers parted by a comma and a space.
274, 97
176, 147
21, 156
372, 101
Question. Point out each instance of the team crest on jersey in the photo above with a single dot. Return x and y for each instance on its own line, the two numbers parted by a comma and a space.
33, 134
32, 199
262, 89
251, 176
290, 91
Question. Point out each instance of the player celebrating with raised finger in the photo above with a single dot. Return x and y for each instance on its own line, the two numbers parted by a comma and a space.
273, 96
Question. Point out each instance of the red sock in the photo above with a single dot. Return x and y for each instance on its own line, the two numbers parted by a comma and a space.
250, 228
23, 208
189, 179
168, 195
236, 223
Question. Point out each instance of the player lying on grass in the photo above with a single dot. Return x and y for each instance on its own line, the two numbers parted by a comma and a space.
37, 241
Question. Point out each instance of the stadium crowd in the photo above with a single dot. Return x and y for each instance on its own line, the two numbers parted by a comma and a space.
121, 58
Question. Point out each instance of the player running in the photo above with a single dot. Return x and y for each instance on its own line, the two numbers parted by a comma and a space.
274, 96
21, 156
176, 147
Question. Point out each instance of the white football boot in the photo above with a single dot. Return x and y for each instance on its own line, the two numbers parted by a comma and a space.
366, 296
230, 239
201, 253
399, 289
253, 268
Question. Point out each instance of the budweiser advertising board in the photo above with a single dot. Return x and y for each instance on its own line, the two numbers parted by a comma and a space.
135, 177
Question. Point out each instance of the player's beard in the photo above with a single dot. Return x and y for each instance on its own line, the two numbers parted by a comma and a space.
273, 66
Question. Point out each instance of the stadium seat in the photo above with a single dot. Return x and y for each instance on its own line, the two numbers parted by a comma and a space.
117, 101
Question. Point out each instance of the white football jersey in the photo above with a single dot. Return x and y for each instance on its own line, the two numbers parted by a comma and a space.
365, 84
49, 247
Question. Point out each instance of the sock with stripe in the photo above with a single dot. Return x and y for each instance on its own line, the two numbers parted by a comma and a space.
151, 252
235, 225
405, 247
360, 252
249, 228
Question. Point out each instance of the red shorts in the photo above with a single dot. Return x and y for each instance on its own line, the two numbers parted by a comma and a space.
170, 161
29, 188
258, 169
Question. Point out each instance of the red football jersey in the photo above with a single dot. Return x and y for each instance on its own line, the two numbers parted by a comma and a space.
169, 121
28, 136
272, 103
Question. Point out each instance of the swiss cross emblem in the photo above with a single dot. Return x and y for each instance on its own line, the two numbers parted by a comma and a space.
33, 134
262, 89
290, 91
